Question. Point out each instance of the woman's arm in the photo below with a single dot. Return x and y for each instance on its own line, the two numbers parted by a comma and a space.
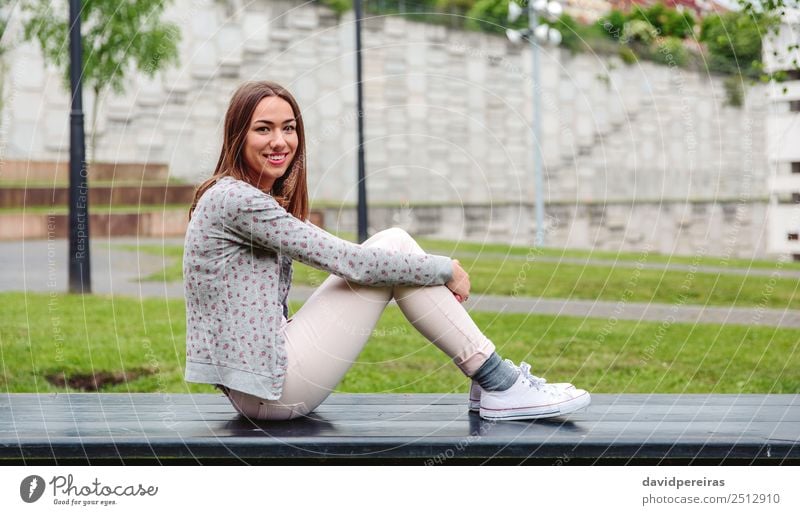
260, 221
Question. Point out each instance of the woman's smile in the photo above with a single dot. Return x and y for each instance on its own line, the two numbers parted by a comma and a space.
276, 159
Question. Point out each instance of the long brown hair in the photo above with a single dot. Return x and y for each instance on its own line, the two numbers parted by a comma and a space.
290, 190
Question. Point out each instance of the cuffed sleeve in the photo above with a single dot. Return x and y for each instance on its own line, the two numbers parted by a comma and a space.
444, 268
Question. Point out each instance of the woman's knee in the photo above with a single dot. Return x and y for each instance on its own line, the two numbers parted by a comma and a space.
394, 237
255, 408
271, 410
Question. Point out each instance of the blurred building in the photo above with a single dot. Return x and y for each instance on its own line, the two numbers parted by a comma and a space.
783, 139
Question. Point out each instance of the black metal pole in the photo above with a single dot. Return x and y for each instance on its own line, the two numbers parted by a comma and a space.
80, 279
362, 181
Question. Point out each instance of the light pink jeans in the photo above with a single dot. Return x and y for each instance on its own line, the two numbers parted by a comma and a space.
325, 336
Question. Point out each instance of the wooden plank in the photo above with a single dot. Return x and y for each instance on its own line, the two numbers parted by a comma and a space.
611, 411
417, 428
394, 399
205, 428
21, 412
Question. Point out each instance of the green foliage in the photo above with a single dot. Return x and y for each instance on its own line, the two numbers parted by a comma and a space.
340, 6
670, 51
613, 24
627, 55
666, 21
454, 5
646, 32
3, 66
734, 90
639, 31
118, 36
3, 26
734, 41
571, 37
492, 16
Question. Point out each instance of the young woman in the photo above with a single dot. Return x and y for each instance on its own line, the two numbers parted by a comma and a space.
247, 225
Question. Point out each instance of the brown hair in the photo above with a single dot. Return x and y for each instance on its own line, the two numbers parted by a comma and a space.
290, 190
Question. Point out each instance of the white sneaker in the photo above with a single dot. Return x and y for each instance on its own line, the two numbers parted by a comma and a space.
475, 388
530, 398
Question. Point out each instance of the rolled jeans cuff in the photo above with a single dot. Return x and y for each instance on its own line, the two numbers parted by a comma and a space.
470, 363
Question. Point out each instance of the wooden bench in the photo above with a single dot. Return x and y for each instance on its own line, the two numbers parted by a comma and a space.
417, 429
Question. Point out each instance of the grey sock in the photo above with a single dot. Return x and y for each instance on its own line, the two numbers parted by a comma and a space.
496, 375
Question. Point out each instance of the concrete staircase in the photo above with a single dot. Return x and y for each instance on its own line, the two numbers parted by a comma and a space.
125, 199
130, 199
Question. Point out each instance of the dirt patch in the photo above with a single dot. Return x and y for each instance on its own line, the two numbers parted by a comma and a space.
96, 381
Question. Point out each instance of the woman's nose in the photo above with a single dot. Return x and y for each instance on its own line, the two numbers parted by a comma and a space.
278, 142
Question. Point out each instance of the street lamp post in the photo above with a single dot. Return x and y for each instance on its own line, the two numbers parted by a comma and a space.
536, 34
362, 179
80, 279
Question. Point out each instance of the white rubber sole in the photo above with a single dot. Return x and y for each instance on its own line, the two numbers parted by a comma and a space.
475, 401
534, 412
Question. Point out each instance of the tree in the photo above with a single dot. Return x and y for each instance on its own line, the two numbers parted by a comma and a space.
492, 16
119, 37
3, 65
733, 40
613, 23
668, 22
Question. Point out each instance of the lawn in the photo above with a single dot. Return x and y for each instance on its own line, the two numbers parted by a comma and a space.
496, 273
66, 335
449, 247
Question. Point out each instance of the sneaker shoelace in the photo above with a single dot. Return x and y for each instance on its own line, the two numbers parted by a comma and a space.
525, 370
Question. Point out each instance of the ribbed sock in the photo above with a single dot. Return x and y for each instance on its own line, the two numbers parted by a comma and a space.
495, 375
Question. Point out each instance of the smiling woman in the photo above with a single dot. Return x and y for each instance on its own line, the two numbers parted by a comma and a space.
249, 221
264, 145
271, 142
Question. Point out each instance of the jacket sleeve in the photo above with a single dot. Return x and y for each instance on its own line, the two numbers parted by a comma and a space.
260, 221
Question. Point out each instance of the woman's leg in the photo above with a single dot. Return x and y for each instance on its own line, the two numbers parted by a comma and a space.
325, 336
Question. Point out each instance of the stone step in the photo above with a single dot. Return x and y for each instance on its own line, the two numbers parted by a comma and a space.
169, 221
157, 223
58, 171
153, 194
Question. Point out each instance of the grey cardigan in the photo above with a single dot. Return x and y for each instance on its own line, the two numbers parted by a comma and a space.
237, 270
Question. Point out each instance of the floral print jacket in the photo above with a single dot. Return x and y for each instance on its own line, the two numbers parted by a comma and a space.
237, 270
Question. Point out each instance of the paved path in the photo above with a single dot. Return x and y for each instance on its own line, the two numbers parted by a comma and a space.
40, 266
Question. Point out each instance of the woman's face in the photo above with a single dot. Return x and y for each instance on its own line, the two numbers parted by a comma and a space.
271, 140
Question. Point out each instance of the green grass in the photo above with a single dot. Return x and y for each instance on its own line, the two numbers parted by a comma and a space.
172, 255
531, 278
46, 334
453, 248
469, 249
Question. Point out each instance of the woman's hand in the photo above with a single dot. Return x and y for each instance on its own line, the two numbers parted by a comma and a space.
459, 284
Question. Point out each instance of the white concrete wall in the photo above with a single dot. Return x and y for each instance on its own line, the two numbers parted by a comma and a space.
447, 115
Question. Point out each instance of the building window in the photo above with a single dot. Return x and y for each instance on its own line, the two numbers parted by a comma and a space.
795, 198
795, 167
793, 236
794, 106
792, 74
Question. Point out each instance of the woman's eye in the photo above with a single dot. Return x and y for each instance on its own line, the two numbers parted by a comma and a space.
289, 129
262, 129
